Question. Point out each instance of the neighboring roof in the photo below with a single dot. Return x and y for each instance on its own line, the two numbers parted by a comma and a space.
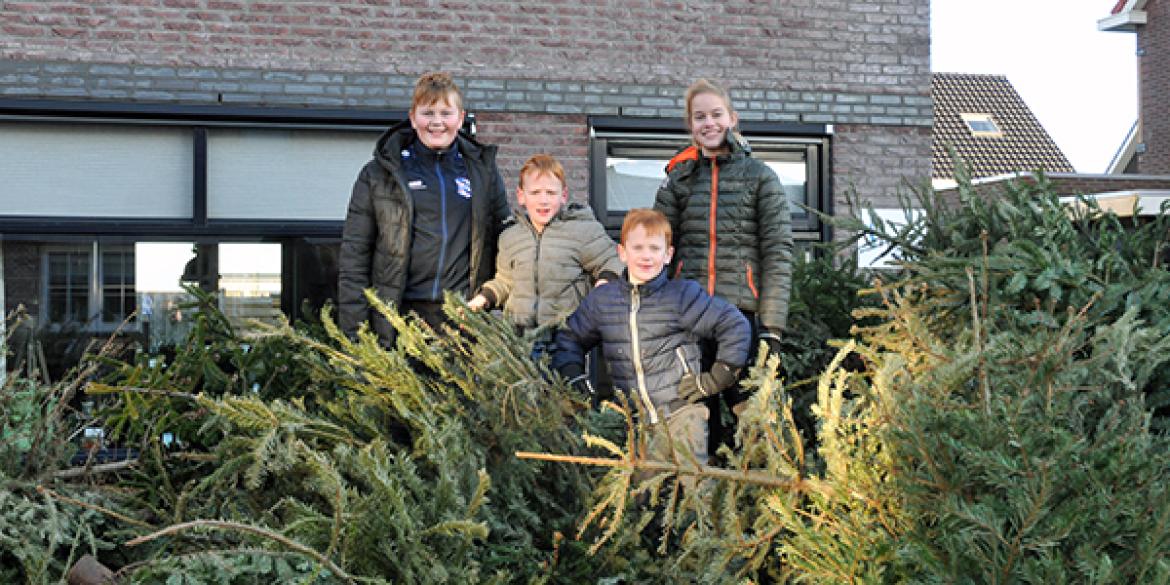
1127, 203
1124, 17
1023, 144
1123, 158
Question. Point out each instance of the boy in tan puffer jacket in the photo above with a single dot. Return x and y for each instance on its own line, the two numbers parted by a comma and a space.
551, 256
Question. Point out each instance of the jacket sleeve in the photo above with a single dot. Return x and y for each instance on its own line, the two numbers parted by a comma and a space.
354, 261
598, 251
668, 201
775, 240
579, 335
499, 288
501, 210
711, 317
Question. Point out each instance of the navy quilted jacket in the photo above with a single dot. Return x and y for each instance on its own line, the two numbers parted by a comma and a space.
649, 336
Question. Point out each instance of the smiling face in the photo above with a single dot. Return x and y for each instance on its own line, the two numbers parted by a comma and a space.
543, 195
437, 123
645, 254
709, 122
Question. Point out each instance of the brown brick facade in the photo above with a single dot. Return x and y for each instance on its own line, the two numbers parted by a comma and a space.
1153, 40
519, 136
827, 45
533, 71
866, 158
22, 276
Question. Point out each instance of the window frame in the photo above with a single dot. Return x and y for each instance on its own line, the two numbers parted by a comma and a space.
95, 287
976, 118
662, 135
198, 227
198, 120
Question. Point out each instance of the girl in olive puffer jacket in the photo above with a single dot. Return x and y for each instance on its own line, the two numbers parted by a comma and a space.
731, 223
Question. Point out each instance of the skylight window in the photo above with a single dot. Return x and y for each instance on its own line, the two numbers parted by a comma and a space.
982, 125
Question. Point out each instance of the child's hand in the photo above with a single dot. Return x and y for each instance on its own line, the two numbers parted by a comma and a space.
477, 303
694, 388
599, 282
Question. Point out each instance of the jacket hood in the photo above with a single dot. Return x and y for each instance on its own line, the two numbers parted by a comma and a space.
686, 158
387, 151
649, 287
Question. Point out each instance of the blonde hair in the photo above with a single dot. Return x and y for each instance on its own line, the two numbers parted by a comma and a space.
701, 86
543, 164
436, 87
651, 219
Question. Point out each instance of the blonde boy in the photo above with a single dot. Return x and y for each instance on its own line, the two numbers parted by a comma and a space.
551, 256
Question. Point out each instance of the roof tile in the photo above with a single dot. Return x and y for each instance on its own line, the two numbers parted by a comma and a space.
1024, 145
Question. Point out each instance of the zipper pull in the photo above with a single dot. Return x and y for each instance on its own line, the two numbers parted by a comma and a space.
682, 359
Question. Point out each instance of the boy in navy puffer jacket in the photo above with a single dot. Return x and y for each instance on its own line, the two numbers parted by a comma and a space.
649, 329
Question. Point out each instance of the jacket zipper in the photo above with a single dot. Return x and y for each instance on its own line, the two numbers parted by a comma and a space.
536, 278
443, 226
682, 359
635, 304
711, 227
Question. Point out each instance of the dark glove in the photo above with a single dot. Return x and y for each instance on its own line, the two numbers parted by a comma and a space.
694, 388
772, 340
578, 378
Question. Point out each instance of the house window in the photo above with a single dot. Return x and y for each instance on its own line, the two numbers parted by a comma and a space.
68, 285
117, 285
91, 285
629, 165
981, 125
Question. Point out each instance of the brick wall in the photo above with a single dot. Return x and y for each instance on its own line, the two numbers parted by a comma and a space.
878, 162
519, 136
532, 70
1154, 73
22, 276
807, 46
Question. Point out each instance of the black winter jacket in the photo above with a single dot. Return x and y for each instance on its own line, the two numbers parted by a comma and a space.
669, 317
376, 240
737, 245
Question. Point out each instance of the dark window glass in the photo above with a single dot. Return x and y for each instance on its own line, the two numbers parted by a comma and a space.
118, 296
68, 286
628, 169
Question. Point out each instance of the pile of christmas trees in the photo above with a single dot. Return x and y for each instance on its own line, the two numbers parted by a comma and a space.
994, 415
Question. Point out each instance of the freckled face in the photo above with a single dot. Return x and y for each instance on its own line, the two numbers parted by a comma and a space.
645, 255
543, 195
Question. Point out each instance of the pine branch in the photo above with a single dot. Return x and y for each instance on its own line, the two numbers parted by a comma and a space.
248, 529
108, 512
801, 485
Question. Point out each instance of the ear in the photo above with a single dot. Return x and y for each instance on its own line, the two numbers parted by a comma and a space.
622, 254
520, 196
734, 120
669, 254
565, 195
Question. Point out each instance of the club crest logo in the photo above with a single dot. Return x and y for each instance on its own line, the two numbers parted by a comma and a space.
463, 187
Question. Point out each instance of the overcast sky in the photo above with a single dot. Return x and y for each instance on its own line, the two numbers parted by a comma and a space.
1079, 82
